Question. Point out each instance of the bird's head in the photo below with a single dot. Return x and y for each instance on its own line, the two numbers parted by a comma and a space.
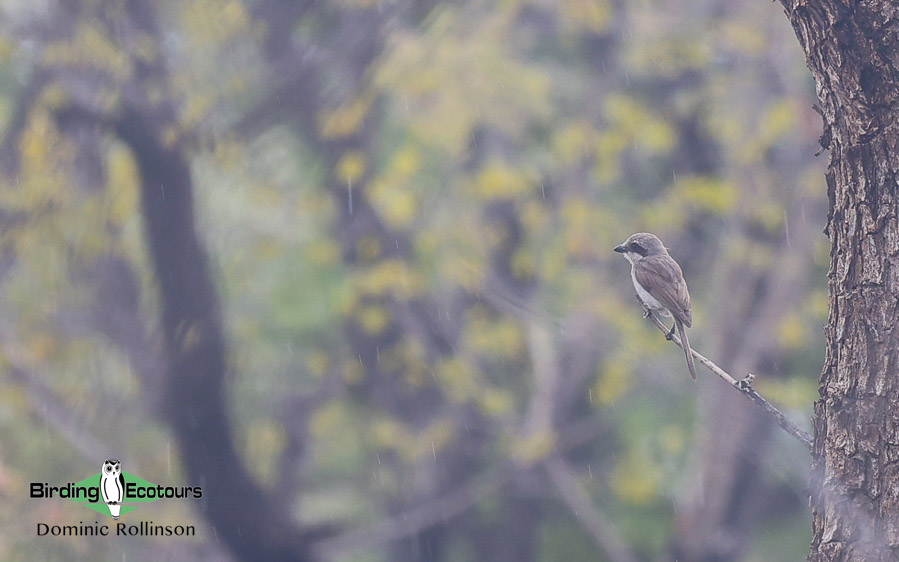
641, 245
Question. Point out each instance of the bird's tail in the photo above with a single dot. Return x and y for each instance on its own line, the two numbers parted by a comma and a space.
685, 343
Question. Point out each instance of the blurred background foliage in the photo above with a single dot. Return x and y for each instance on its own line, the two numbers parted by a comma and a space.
410, 209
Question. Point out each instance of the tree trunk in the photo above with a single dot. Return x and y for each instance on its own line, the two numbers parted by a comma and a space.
248, 519
852, 49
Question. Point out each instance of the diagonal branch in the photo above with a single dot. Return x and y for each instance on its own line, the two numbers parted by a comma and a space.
59, 415
744, 385
443, 509
452, 503
593, 520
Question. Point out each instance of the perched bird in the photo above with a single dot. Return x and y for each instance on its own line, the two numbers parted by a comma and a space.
660, 284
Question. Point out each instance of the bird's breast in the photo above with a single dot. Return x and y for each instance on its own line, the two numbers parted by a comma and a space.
646, 297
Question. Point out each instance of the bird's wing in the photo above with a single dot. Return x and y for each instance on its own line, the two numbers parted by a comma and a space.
663, 279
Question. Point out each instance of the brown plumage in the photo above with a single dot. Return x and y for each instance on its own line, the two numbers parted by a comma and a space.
663, 279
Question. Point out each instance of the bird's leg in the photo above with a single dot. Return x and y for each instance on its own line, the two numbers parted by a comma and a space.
646, 310
670, 335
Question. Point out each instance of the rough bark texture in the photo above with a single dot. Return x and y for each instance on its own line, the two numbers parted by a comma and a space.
852, 48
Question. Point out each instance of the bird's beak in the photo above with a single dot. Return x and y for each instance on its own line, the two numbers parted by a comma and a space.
619, 248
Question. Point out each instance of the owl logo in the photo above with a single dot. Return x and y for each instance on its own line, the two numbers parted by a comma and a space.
112, 486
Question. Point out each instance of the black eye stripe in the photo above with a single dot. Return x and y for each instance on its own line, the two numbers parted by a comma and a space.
637, 248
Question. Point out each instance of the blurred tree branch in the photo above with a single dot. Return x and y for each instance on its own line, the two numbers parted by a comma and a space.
245, 516
456, 501
345, 59
426, 514
9, 146
58, 413
581, 506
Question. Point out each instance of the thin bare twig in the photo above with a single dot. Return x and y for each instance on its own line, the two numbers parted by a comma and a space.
580, 504
744, 385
